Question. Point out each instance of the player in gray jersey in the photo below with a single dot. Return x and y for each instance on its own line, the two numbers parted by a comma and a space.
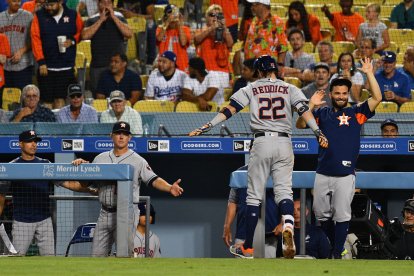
271, 101
15, 24
105, 230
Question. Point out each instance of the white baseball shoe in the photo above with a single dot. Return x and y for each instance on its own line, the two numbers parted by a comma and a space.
288, 243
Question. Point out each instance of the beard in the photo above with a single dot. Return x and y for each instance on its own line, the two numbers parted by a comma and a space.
339, 106
192, 75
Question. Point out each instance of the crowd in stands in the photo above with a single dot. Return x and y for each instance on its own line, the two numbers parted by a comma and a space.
184, 60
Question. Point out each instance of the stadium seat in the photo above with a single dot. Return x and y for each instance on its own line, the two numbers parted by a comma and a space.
401, 35
365, 94
15, 128
100, 104
393, 47
159, 12
154, 106
412, 94
46, 128
11, 96
177, 3
137, 24
400, 58
144, 80
403, 46
407, 107
294, 80
386, 11
387, 107
185, 106
343, 47
85, 47
228, 91
281, 2
392, 2
316, 9
278, 10
237, 46
97, 128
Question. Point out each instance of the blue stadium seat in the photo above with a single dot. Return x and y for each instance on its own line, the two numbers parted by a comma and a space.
14, 128
44, 128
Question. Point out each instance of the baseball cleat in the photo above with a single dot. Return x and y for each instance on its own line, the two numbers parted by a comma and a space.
241, 252
288, 243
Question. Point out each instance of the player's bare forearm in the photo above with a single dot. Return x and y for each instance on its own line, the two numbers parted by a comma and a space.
77, 186
228, 221
163, 186
2, 201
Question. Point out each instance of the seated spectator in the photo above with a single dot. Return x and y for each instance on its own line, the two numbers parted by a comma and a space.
173, 36
119, 111
405, 245
213, 44
201, 87
247, 75
77, 111
346, 22
119, 77
299, 18
31, 110
317, 243
326, 54
367, 49
389, 128
139, 238
166, 82
394, 85
3, 116
374, 29
346, 68
408, 65
321, 72
296, 61
402, 15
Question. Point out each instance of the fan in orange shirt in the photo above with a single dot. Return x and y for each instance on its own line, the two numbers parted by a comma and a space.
173, 36
308, 23
231, 14
4, 54
33, 5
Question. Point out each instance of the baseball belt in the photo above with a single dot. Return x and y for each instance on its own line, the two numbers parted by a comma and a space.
280, 134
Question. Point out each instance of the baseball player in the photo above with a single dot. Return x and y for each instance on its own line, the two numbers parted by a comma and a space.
31, 203
105, 230
271, 101
139, 239
335, 174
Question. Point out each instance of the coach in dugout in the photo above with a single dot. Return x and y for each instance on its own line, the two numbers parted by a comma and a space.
31, 203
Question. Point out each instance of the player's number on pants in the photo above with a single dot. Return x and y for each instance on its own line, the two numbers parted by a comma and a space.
268, 108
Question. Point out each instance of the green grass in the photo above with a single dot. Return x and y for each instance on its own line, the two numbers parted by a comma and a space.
115, 266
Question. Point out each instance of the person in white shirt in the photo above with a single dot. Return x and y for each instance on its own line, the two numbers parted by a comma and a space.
202, 86
119, 111
165, 83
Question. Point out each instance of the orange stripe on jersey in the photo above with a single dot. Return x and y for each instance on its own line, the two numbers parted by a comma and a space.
361, 118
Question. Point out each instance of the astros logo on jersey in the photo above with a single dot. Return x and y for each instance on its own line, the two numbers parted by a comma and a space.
343, 120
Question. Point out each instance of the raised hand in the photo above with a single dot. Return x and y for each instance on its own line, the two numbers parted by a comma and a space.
367, 66
317, 98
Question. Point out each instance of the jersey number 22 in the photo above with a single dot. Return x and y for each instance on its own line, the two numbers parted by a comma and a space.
271, 108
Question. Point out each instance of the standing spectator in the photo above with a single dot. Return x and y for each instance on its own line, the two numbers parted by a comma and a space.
5, 53
166, 82
31, 110
389, 128
321, 72
299, 18
247, 75
139, 239
119, 111
374, 29
335, 174
346, 23
213, 44
55, 31
246, 20
266, 34
231, 15
408, 65
15, 24
296, 61
201, 87
105, 230
107, 25
173, 36
395, 86
346, 68
119, 77
31, 203
77, 111
33, 5
402, 15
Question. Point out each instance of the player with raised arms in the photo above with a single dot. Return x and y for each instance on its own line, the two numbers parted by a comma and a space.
271, 101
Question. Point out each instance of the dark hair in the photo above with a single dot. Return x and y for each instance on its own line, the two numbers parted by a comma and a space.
249, 63
122, 56
198, 64
295, 31
298, 6
373, 42
338, 66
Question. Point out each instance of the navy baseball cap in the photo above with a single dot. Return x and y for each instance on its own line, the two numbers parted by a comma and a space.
321, 65
74, 89
409, 205
121, 127
169, 55
340, 82
389, 122
29, 136
143, 209
389, 56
